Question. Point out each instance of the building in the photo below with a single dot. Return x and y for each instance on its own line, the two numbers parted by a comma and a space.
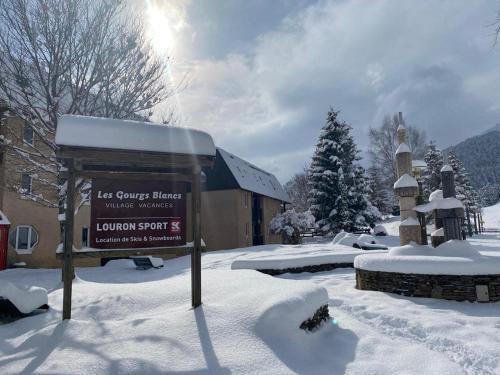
238, 202
418, 168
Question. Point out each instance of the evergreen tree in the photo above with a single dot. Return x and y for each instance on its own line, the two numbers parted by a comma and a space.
432, 178
338, 186
463, 186
489, 194
378, 194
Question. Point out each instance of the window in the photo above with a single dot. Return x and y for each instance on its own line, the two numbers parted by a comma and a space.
246, 199
26, 183
247, 226
85, 237
28, 134
23, 239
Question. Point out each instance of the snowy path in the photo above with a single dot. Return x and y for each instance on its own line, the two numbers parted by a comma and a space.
443, 332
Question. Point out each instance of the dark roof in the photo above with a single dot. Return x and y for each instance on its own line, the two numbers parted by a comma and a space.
232, 172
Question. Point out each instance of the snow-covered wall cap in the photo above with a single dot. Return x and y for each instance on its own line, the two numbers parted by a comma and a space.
409, 222
436, 194
96, 132
447, 168
405, 181
3, 219
401, 127
403, 148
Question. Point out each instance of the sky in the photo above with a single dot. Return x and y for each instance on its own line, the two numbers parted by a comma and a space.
260, 75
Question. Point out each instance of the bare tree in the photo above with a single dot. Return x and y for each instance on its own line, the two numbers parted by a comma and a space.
496, 24
71, 57
383, 146
298, 190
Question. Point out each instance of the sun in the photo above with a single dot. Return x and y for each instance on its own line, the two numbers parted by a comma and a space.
163, 22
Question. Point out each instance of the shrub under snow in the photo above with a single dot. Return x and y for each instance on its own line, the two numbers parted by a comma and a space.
290, 224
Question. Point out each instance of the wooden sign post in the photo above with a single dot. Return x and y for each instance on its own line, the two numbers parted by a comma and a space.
140, 181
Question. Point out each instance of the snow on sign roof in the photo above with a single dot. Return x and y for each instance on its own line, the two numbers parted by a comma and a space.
96, 132
252, 178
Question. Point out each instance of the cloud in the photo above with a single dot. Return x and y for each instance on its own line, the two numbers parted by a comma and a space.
266, 102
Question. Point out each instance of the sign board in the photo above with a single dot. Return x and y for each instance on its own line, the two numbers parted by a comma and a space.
137, 214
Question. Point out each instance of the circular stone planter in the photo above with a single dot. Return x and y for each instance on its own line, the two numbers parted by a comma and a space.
455, 270
481, 288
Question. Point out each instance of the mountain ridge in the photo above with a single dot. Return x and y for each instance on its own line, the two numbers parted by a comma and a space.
481, 156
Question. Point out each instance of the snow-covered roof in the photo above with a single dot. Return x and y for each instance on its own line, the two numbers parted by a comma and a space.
436, 194
419, 164
440, 204
405, 181
96, 132
403, 148
252, 178
447, 168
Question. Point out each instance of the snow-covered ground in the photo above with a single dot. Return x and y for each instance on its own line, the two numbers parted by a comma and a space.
491, 216
127, 321
280, 257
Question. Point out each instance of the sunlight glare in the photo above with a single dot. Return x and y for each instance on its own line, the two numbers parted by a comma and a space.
163, 22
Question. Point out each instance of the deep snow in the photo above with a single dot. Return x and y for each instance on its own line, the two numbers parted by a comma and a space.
24, 298
140, 322
491, 216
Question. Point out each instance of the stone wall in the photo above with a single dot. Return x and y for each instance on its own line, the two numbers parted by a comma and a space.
450, 287
313, 268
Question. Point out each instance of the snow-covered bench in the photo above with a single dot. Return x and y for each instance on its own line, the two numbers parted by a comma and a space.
147, 262
364, 241
18, 300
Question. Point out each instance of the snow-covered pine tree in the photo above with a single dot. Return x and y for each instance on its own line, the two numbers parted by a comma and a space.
365, 213
463, 186
378, 194
338, 186
489, 194
432, 178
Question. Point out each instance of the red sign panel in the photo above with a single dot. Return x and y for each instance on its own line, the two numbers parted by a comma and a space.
137, 214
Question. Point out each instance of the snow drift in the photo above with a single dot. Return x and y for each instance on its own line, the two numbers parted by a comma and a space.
25, 299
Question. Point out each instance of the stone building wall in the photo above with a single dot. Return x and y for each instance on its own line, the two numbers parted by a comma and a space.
270, 208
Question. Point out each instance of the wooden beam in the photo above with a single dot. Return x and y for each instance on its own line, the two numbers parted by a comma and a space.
134, 176
98, 253
68, 271
114, 158
196, 223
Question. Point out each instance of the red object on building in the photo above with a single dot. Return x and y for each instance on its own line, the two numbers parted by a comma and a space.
4, 240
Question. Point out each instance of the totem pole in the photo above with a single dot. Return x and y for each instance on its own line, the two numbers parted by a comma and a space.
406, 188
